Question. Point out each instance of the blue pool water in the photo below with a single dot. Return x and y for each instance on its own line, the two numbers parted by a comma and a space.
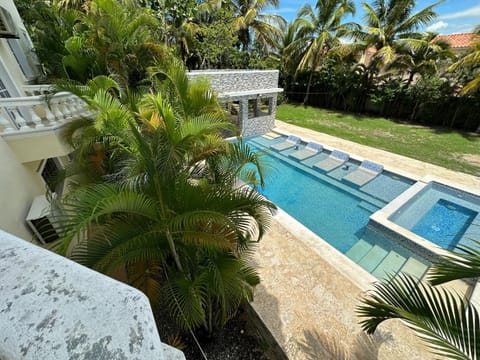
332, 213
337, 212
445, 223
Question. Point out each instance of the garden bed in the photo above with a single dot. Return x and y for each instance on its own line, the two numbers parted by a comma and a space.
240, 339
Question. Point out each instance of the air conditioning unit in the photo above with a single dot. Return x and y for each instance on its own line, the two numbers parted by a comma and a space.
8, 29
38, 220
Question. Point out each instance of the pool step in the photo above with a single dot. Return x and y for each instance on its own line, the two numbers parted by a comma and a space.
389, 265
414, 268
372, 258
368, 206
359, 250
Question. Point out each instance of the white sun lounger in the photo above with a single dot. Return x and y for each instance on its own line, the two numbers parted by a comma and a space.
335, 159
290, 142
271, 135
311, 149
366, 171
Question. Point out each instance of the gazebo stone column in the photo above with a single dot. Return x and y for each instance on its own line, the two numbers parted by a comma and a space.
243, 114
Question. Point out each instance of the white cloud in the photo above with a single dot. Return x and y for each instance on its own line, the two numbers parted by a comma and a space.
472, 12
439, 25
460, 28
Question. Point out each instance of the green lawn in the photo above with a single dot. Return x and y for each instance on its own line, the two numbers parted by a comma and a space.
445, 147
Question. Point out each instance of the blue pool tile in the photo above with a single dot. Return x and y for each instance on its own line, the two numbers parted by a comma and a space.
445, 223
387, 186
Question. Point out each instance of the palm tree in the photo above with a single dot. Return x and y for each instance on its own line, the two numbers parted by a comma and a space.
165, 217
251, 23
390, 25
49, 28
472, 59
102, 132
319, 31
288, 60
422, 56
114, 37
449, 325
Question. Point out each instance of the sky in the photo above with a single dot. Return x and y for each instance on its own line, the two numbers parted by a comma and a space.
454, 16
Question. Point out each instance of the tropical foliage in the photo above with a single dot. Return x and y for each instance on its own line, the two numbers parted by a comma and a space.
100, 37
163, 212
447, 323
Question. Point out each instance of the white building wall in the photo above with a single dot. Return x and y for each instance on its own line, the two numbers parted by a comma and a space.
19, 184
7, 59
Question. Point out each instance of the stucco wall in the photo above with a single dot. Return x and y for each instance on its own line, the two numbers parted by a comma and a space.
19, 184
37, 145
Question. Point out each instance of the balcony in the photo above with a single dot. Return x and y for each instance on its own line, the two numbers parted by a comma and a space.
30, 124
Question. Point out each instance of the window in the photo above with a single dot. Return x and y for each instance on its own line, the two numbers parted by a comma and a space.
27, 59
3, 90
7, 26
51, 170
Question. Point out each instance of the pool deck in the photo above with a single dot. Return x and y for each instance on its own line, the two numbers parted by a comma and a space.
309, 292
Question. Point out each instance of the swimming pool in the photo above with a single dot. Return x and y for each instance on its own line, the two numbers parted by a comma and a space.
337, 211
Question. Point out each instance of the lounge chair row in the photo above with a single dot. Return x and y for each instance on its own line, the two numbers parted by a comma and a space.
366, 172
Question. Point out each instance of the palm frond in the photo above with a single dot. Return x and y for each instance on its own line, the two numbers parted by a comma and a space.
447, 324
463, 264
186, 299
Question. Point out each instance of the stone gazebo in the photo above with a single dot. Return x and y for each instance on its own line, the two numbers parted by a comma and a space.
250, 96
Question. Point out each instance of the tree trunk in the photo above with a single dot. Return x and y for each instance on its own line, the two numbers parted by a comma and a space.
308, 88
454, 117
410, 79
414, 111
368, 86
171, 244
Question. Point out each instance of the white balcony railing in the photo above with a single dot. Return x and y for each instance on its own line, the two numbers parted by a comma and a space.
39, 110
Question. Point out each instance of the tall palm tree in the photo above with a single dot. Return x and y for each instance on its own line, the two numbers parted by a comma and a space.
320, 30
165, 214
389, 24
288, 59
448, 324
472, 59
251, 23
